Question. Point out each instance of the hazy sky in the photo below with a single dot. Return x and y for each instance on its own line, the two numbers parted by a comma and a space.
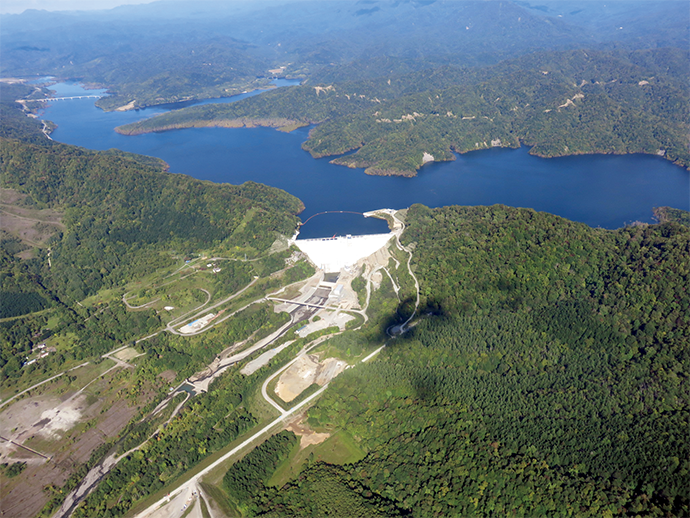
18, 6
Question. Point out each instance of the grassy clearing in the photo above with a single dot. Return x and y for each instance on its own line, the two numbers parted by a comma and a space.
271, 391
176, 286
32, 225
259, 407
102, 297
257, 291
340, 448
44, 445
356, 323
53, 322
328, 350
73, 380
182, 294
80, 377
404, 278
290, 467
161, 274
350, 346
292, 292
63, 341
127, 354
26, 315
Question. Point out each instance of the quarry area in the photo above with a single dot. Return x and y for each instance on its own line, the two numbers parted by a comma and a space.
54, 428
306, 371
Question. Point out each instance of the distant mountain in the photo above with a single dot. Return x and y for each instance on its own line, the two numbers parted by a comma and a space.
642, 23
171, 50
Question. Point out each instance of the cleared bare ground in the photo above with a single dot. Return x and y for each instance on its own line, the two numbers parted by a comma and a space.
306, 371
127, 354
67, 428
33, 226
307, 436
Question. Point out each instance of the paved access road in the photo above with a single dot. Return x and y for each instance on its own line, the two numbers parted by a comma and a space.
160, 510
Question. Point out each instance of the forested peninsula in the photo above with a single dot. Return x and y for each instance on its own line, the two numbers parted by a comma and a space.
558, 103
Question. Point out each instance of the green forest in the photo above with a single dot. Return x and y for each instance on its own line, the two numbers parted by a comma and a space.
124, 218
547, 378
558, 103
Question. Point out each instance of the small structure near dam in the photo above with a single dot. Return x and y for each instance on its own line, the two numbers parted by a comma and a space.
198, 324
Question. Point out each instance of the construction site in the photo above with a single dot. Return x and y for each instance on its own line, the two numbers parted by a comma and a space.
46, 431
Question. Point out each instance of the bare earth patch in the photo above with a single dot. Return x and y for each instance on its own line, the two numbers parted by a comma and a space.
41, 419
307, 436
306, 371
127, 354
42, 415
32, 226
129, 106
53, 426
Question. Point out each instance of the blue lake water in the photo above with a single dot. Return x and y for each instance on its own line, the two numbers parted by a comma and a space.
600, 190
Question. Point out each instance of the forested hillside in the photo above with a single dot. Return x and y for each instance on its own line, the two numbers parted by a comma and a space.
121, 213
666, 214
171, 51
15, 122
122, 218
547, 377
562, 103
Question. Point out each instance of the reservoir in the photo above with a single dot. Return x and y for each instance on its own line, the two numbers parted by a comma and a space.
606, 191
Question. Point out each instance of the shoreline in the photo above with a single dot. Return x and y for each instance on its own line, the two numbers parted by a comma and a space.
279, 124
370, 167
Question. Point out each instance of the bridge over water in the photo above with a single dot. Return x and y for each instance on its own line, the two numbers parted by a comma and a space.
49, 99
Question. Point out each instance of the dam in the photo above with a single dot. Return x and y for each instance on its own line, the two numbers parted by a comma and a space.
331, 254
